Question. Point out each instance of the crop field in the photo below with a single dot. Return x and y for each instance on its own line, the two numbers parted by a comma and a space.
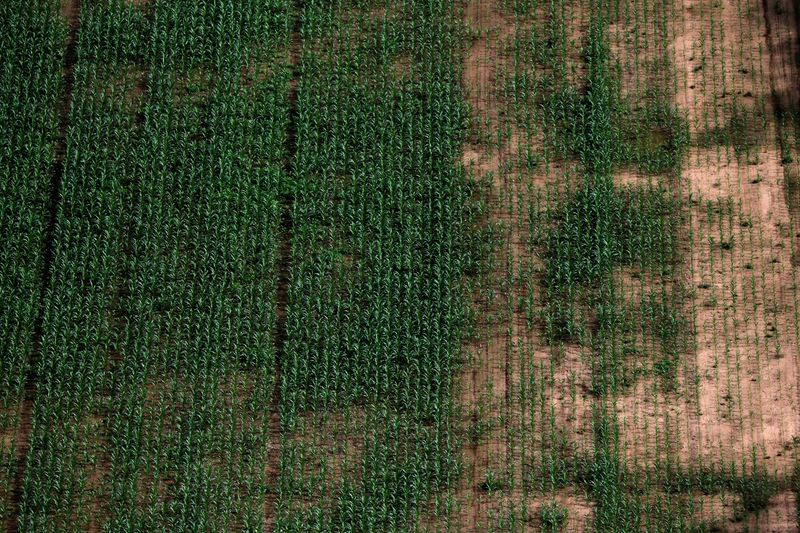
477, 266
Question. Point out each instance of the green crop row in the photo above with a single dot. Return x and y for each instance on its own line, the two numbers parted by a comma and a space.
157, 360
32, 45
381, 240
158, 346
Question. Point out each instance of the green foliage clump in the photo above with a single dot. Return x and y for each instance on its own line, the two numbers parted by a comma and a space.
553, 516
739, 131
754, 488
619, 492
599, 228
586, 243
652, 135
492, 482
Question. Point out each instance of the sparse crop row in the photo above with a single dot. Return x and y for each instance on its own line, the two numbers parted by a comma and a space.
600, 228
593, 332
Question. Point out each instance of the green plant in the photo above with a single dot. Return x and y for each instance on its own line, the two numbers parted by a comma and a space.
492, 482
553, 516
755, 491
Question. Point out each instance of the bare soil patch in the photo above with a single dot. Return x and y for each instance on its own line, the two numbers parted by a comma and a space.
512, 371
737, 385
745, 400
782, 23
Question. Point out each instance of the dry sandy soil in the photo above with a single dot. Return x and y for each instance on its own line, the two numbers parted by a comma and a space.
738, 383
746, 398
